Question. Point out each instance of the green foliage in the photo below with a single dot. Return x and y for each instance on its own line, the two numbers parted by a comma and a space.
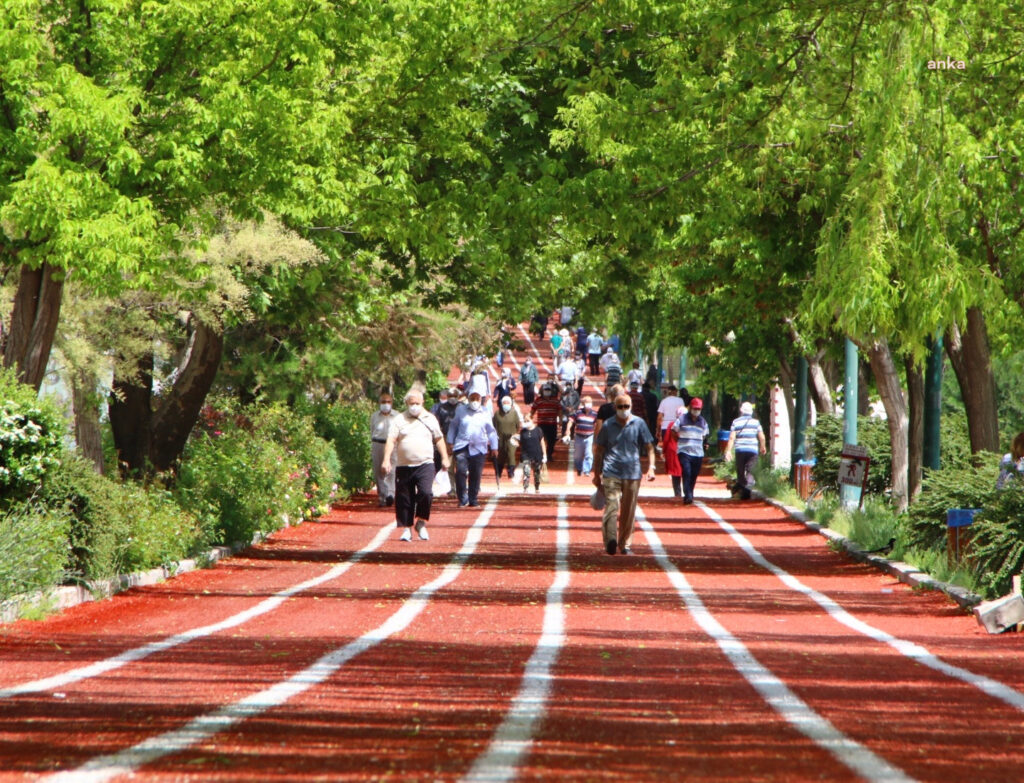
31, 438
997, 541
825, 442
941, 490
33, 548
118, 528
871, 527
347, 426
254, 470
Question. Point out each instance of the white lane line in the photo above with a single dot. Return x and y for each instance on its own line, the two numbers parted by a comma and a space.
138, 653
773, 690
540, 359
200, 729
911, 650
513, 739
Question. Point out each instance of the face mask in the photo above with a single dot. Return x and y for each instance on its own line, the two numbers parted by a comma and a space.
506, 406
474, 405
415, 410
385, 407
622, 413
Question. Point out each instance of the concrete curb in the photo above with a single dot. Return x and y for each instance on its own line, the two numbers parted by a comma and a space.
67, 596
904, 572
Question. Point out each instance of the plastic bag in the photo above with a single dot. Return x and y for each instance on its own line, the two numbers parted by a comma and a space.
442, 483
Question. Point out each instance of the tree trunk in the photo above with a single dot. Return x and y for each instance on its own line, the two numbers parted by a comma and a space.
787, 380
821, 392
130, 417
969, 354
87, 418
887, 380
915, 431
863, 395
34, 322
179, 411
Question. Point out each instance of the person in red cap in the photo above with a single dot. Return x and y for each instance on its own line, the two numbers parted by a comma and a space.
693, 432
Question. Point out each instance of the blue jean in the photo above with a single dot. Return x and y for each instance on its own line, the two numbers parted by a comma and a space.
469, 469
691, 469
583, 458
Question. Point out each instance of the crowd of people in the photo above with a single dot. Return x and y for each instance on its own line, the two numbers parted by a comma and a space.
473, 422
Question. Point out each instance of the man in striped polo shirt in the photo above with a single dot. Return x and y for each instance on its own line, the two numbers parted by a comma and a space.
746, 438
693, 435
583, 422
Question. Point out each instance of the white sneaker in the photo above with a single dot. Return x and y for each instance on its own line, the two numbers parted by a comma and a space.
421, 528
406, 534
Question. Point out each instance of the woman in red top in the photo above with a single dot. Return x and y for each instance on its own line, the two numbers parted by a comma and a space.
669, 447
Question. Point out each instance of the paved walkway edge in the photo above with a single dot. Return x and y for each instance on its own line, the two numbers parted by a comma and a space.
904, 572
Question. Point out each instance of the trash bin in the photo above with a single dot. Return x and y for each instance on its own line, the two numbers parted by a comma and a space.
723, 441
958, 537
803, 481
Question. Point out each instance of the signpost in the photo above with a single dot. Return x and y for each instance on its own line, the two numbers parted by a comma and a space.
853, 468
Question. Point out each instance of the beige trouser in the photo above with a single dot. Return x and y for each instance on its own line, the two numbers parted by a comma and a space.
620, 509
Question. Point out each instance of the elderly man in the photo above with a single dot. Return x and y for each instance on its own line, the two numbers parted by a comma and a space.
380, 425
746, 438
473, 437
617, 450
693, 434
413, 437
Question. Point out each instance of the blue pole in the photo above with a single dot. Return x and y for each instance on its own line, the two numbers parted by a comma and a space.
850, 496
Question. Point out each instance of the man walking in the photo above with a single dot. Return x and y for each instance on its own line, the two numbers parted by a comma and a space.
546, 412
746, 437
617, 450
380, 425
595, 344
528, 377
412, 438
507, 423
693, 434
473, 437
444, 411
583, 422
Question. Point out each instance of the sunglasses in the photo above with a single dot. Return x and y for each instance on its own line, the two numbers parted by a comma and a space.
623, 407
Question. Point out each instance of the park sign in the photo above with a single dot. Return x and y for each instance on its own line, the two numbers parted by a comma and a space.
853, 466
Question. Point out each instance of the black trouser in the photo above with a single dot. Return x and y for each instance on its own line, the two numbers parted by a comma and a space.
528, 393
745, 462
468, 472
595, 363
413, 493
677, 486
550, 437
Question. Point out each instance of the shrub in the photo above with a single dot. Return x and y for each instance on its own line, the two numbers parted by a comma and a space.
347, 426
318, 462
31, 438
941, 490
118, 528
239, 484
997, 541
825, 441
33, 548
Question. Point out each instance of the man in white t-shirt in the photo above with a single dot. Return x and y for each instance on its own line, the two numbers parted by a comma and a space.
413, 437
668, 410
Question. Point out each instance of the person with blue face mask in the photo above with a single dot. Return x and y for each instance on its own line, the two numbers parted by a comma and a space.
380, 423
617, 449
473, 439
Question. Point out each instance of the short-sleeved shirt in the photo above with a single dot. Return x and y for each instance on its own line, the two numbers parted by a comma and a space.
567, 372
746, 430
669, 410
414, 438
380, 425
547, 410
584, 422
595, 343
691, 434
529, 445
623, 445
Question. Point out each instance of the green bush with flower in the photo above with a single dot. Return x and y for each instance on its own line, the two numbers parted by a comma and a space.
253, 470
31, 438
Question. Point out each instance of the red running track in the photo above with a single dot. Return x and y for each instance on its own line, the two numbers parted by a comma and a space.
721, 672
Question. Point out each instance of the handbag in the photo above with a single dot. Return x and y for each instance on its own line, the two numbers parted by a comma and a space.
544, 472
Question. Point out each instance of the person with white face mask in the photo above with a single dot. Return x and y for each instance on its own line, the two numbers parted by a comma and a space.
412, 438
507, 423
473, 437
617, 448
380, 424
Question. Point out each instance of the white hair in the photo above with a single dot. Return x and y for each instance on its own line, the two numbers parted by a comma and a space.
746, 409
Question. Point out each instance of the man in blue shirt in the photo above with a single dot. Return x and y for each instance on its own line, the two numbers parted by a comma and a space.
472, 436
746, 438
693, 434
617, 450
